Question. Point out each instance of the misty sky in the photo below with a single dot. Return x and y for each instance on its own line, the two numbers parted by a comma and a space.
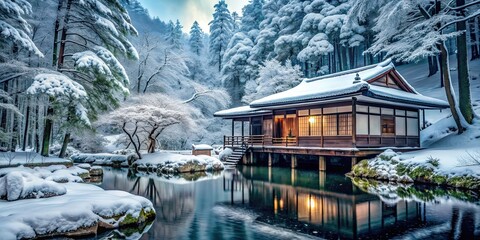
187, 11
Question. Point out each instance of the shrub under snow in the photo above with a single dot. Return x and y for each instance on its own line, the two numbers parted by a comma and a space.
21, 185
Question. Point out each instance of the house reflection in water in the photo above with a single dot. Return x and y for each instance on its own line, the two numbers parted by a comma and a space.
329, 205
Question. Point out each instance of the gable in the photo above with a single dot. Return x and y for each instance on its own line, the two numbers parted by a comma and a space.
391, 79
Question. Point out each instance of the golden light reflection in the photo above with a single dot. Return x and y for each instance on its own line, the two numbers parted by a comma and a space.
281, 204
310, 203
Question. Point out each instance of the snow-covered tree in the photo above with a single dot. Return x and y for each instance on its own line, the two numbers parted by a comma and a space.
235, 58
67, 98
144, 118
252, 16
196, 38
14, 29
221, 29
236, 22
268, 33
90, 33
273, 78
174, 34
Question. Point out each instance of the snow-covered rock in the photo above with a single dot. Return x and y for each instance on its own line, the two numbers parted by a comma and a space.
21, 185
177, 163
106, 159
225, 154
83, 210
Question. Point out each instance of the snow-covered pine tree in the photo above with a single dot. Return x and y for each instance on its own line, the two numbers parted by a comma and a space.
236, 22
252, 16
221, 29
14, 29
269, 29
238, 51
196, 38
273, 78
235, 61
91, 33
289, 20
174, 34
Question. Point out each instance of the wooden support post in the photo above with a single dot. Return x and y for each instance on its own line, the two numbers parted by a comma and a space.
354, 121
244, 159
251, 157
322, 163
322, 178
294, 161
423, 118
269, 159
354, 161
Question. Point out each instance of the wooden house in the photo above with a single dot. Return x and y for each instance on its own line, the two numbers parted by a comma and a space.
345, 115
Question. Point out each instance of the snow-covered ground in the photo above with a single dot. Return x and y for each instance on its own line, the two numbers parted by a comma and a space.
67, 207
448, 158
29, 158
177, 163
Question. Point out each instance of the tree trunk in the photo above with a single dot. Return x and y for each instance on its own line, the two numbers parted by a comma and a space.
25, 130
66, 140
448, 87
474, 38
432, 65
47, 131
55, 34
464, 103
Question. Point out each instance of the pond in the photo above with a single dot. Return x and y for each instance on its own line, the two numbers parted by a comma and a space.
279, 203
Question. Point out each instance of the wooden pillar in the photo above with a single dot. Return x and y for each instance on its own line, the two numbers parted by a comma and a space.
244, 159
233, 127
354, 121
251, 157
269, 159
294, 161
243, 129
354, 161
322, 163
423, 117
322, 178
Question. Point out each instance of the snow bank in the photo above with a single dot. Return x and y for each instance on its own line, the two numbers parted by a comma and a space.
225, 154
177, 163
82, 210
21, 185
105, 159
29, 159
56, 173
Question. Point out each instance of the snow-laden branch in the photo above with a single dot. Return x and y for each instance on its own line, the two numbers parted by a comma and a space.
457, 8
196, 95
464, 19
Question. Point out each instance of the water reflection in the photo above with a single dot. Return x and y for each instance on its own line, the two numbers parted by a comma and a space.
273, 203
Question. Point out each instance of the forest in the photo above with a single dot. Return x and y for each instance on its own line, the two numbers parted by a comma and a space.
82, 75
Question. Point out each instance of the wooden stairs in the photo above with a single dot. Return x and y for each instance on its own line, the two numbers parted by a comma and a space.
235, 157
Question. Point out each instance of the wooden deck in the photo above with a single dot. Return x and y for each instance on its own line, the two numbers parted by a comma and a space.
292, 145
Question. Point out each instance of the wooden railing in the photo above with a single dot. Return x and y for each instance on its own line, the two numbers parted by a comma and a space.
257, 140
285, 141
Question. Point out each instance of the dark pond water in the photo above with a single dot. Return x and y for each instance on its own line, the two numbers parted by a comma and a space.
276, 203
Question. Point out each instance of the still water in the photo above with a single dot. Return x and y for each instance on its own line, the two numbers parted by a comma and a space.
279, 203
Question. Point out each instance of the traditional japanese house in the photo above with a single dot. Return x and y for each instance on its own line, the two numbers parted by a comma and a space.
346, 115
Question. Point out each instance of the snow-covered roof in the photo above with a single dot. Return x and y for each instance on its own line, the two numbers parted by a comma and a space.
202, 147
340, 86
240, 111
343, 84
